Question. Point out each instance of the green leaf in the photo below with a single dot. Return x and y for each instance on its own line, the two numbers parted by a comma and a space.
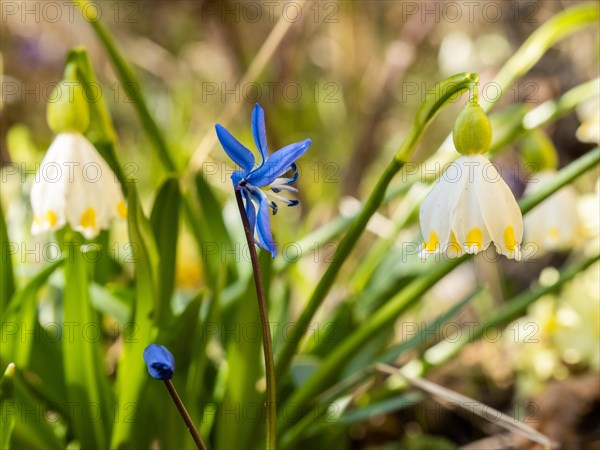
387, 406
128, 79
558, 27
84, 370
345, 385
33, 434
22, 312
7, 279
111, 302
101, 131
434, 101
245, 367
208, 227
7, 415
562, 178
176, 337
165, 225
419, 339
413, 291
511, 310
132, 378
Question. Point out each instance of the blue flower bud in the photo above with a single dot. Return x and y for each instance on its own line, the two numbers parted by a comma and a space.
160, 361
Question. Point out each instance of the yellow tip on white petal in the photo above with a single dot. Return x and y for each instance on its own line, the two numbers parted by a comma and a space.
88, 219
454, 250
122, 209
475, 239
51, 218
433, 243
509, 238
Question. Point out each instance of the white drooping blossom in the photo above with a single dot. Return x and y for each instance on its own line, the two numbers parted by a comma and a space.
554, 223
75, 186
469, 207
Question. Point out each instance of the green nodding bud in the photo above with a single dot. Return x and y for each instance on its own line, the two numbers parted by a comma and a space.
67, 109
472, 132
538, 151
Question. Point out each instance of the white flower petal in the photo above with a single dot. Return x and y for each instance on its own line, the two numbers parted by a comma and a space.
554, 223
467, 220
75, 185
500, 211
437, 208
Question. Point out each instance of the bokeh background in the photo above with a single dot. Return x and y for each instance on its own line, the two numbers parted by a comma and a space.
350, 75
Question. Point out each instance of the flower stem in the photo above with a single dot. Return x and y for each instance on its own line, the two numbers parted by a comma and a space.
266, 332
185, 415
445, 93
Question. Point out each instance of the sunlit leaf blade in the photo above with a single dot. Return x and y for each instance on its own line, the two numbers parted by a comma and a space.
7, 406
130, 428
101, 131
557, 28
209, 228
7, 279
85, 373
22, 312
413, 291
165, 225
33, 434
130, 83
441, 95
243, 348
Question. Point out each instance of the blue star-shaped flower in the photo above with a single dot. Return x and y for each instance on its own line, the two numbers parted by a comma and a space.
256, 183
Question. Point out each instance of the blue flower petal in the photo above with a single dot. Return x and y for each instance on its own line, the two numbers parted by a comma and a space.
160, 362
263, 224
237, 176
250, 211
259, 133
278, 163
234, 149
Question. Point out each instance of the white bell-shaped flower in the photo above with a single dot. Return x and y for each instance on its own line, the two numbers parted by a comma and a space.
75, 185
554, 223
469, 207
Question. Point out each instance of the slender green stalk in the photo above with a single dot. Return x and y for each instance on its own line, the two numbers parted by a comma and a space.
266, 331
84, 376
132, 87
514, 308
7, 398
562, 178
185, 415
343, 250
7, 277
435, 101
539, 116
413, 291
439, 353
556, 28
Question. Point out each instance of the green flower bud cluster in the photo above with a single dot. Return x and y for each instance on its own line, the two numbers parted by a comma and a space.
472, 132
68, 110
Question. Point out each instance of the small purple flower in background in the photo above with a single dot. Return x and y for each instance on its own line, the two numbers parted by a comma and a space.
160, 361
261, 185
